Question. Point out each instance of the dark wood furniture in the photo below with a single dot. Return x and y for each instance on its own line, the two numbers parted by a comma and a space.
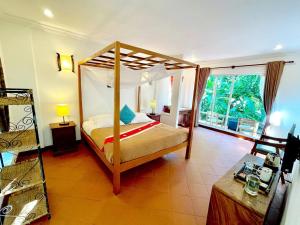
64, 137
154, 116
230, 204
184, 117
267, 144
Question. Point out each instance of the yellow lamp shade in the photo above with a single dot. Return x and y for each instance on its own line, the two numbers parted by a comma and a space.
62, 110
65, 62
153, 104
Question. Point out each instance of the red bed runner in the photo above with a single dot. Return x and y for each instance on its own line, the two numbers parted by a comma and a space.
132, 132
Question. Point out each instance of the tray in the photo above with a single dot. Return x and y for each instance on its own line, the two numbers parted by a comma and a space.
263, 187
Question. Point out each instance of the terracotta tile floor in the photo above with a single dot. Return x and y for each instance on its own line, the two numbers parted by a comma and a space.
166, 191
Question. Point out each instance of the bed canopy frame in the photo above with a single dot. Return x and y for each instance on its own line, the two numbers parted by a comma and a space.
134, 58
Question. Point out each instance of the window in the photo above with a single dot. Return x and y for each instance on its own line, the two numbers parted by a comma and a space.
233, 102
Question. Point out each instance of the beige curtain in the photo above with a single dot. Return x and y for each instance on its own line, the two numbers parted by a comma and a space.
4, 113
273, 76
203, 75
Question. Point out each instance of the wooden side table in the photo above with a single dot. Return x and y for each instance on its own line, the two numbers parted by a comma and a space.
64, 137
230, 204
154, 116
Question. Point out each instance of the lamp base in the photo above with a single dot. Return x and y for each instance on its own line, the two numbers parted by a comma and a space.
64, 123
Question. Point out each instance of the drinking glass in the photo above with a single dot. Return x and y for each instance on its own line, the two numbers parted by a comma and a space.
252, 184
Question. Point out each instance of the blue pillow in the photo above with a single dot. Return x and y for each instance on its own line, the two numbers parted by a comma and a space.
126, 114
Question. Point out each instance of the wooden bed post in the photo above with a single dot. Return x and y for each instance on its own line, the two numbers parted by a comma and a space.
80, 96
138, 99
193, 114
116, 152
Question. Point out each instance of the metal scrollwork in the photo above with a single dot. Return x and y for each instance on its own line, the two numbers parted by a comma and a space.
25, 123
22, 134
15, 143
4, 143
21, 126
17, 184
14, 184
28, 109
10, 144
6, 210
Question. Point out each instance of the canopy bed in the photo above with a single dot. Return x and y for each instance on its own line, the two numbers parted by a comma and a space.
108, 143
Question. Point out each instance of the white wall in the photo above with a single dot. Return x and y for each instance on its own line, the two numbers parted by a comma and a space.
56, 87
18, 66
186, 97
29, 61
291, 212
172, 117
160, 90
162, 93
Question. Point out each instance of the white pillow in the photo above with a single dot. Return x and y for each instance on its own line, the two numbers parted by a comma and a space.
107, 120
99, 117
141, 118
103, 120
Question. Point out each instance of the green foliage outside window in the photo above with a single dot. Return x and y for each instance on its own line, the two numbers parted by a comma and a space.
245, 102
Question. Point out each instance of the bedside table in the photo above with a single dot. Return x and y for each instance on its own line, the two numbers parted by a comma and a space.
64, 137
154, 116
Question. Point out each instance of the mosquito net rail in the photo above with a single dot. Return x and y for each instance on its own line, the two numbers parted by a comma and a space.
134, 58
129, 78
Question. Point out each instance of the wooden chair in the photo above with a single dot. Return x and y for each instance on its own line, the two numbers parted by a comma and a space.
247, 125
267, 144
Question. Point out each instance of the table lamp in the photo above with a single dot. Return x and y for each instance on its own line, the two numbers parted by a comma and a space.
63, 110
153, 106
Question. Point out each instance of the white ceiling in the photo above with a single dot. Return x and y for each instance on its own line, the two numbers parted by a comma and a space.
203, 29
